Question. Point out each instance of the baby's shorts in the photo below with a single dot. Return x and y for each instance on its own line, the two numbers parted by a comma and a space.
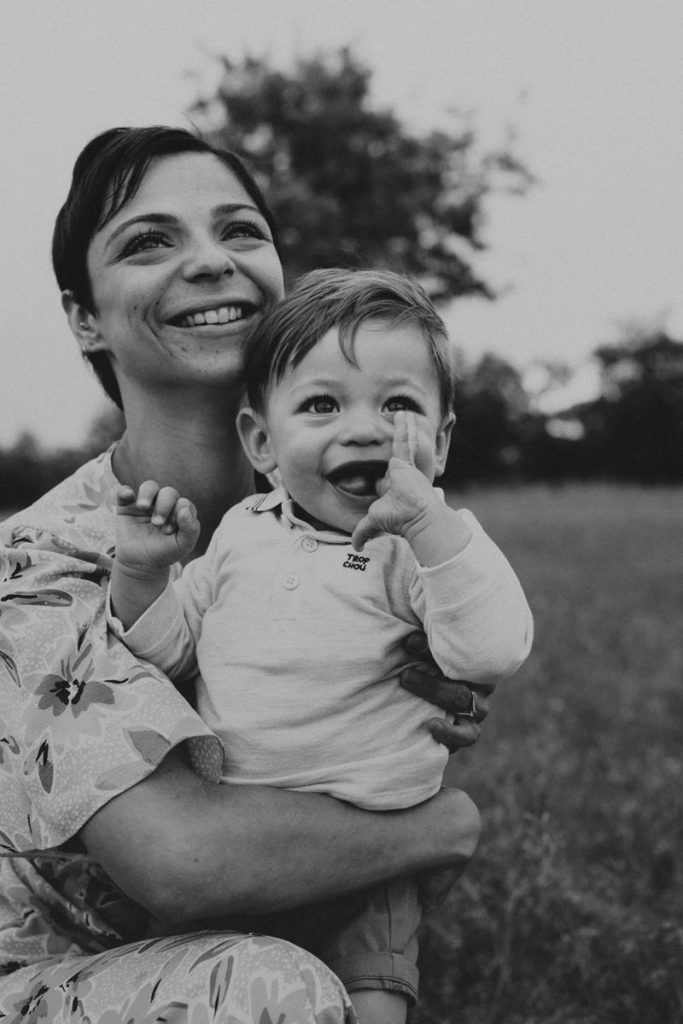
377, 947
368, 939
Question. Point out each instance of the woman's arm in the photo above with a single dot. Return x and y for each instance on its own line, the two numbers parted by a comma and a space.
186, 849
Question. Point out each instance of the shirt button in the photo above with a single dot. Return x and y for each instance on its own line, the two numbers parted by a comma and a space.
309, 544
290, 582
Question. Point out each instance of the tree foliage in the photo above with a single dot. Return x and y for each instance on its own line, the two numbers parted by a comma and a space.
640, 415
349, 184
491, 408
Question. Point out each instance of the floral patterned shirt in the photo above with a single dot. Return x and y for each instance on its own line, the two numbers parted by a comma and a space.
81, 720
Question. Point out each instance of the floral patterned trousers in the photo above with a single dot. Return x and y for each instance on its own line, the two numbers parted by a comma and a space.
203, 978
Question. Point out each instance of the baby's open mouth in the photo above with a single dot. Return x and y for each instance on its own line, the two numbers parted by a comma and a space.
359, 479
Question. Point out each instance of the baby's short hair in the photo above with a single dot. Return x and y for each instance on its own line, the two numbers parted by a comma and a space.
336, 297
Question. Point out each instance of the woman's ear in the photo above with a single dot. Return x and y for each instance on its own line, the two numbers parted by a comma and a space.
255, 439
83, 324
443, 442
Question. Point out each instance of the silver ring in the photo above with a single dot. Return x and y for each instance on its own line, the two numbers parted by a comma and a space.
472, 709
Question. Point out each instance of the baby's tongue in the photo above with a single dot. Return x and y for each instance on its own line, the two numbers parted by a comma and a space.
356, 483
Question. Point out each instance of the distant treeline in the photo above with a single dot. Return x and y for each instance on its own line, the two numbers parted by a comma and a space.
633, 432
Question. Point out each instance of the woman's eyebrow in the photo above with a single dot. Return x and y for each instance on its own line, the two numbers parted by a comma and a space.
228, 208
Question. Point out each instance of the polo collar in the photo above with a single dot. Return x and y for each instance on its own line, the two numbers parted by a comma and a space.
280, 499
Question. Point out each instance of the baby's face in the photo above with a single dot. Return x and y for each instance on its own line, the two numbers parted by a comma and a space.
330, 423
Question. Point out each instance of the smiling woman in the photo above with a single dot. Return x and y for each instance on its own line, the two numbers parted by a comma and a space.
165, 254
179, 277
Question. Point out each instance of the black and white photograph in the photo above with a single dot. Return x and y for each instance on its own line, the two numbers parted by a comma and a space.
392, 290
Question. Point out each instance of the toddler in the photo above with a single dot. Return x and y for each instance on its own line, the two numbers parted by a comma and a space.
296, 615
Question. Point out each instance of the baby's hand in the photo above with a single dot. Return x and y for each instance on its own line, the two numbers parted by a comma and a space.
406, 494
154, 528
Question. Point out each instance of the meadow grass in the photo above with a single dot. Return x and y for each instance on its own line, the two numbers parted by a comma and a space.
572, 911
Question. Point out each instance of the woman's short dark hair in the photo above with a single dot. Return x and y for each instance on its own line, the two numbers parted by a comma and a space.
107, 174
341, 298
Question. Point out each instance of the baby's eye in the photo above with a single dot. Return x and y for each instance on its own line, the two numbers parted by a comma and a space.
144, 242
398, 402
321, 404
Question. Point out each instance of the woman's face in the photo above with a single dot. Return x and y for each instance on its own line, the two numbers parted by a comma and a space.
181, 276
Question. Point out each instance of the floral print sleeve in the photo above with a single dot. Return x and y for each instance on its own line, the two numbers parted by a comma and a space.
82, 719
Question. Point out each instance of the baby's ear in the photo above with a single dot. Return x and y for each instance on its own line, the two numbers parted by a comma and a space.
255, 439
443, 442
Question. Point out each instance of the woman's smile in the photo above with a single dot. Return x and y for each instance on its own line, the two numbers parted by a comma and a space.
215, 315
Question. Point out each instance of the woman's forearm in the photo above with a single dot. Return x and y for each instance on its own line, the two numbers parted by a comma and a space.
189, 850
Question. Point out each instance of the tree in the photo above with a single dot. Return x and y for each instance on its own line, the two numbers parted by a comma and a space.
349, 184
640, 414
491, 407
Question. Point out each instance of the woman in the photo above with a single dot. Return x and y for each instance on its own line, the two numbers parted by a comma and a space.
166, 257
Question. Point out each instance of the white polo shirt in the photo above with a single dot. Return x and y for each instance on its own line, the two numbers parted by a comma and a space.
299, 644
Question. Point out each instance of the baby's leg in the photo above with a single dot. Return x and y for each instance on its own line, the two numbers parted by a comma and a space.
375, 953
375, 1006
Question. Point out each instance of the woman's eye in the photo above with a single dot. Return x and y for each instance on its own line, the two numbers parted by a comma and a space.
398, 402
321, 404
245, 229
144, 242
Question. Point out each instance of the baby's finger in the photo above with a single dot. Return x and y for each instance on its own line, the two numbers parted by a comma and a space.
147, 493
127, 503
186, 517
363, 532
124, 496
404, 444
164, 505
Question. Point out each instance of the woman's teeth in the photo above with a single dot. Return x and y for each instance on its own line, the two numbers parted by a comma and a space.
221, 315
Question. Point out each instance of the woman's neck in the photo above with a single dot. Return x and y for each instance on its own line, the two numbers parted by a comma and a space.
195, 450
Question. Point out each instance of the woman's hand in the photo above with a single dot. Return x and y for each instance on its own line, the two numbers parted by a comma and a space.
468, 702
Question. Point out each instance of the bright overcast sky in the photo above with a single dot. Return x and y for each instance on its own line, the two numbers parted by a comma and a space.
592, 88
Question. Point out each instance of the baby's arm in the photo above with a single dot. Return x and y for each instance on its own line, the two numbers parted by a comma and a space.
478, 623
474, 611
154, 529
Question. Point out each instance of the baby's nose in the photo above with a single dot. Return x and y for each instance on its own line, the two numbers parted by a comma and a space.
367, 428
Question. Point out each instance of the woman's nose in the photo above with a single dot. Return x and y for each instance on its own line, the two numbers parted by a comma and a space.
208, 257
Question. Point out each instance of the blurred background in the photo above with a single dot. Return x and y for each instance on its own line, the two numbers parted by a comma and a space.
523, 159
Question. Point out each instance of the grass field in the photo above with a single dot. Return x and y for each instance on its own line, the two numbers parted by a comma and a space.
572, 912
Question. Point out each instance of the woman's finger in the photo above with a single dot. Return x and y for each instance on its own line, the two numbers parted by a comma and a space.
454, 735
453, 696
